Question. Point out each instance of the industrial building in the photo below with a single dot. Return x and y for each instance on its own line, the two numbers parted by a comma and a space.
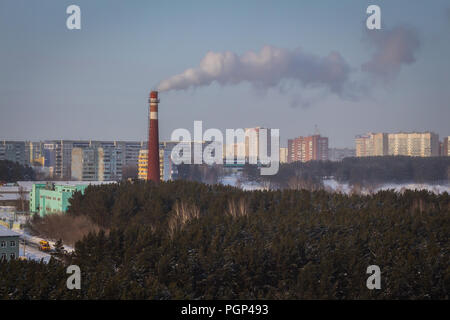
46, 198
9, 244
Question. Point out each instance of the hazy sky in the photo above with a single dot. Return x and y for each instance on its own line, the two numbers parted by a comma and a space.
294, 65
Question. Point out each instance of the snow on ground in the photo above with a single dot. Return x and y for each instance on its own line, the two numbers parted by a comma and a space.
333, 185
345, 188
35, 240
233, 180
32, 253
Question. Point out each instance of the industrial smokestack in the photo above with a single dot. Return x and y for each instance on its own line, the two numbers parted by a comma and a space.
153, 139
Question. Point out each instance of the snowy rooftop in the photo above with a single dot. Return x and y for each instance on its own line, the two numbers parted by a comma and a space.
5, 232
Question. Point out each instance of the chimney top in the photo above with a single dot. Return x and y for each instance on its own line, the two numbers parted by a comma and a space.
154, 95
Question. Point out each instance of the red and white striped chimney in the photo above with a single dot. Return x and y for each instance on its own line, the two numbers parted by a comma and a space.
153, 139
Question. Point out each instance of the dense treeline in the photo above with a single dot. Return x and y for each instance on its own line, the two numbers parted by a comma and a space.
363, 171
12, 171
190, 240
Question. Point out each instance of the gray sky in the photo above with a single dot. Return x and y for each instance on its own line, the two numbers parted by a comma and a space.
280, 64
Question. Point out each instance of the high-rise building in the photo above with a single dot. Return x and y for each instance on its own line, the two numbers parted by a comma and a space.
308, 148
36, 153
283, 155
363, 146
15, 151
143, 164
372, 144
109, 163
414, 144
85, 164
446, 147
96, 164
252, 143
167, 169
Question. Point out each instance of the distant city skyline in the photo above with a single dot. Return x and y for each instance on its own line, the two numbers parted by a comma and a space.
93, 83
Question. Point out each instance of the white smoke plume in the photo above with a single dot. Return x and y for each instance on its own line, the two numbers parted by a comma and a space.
264, 69
393, 49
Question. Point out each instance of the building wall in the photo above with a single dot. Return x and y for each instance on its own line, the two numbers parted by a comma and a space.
166, 166
51, 198
15, 151
446, 146
283, 155
6, 247
372, 144
9, 244
415, 144
308, 148
143, 164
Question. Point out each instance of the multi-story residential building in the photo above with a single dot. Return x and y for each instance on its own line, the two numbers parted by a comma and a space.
363, 146
130, 151
252, 143
85, 164
167, 169
9, 244
283, 155
58, 155
143, 164
110, 164
337, 154
414, 144
36, 153
16, 151
96, 164
309, 148
446, 147
372, 144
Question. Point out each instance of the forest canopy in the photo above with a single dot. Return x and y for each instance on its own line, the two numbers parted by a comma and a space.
187, 240
12, 171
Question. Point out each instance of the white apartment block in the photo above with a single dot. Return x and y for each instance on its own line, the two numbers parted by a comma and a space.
414, 144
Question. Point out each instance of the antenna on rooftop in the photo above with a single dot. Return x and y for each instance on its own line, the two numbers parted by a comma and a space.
316, 130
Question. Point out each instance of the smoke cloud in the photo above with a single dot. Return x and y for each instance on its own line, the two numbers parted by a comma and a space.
264, 69
393, 49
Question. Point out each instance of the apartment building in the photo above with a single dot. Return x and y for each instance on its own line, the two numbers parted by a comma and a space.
372, 144
309, 148
414, 144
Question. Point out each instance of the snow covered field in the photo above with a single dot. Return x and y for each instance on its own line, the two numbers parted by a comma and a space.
333, 185
345, 188
234, 180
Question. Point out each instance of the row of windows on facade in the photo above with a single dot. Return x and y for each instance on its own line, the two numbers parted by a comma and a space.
11, 244
11, 255
50, 198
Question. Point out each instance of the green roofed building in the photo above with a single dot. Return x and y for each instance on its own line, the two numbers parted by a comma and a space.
48, 198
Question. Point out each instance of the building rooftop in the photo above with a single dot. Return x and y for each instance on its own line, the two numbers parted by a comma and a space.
5, 232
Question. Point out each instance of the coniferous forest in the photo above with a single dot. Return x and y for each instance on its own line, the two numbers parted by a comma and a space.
187, 240
12, 171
